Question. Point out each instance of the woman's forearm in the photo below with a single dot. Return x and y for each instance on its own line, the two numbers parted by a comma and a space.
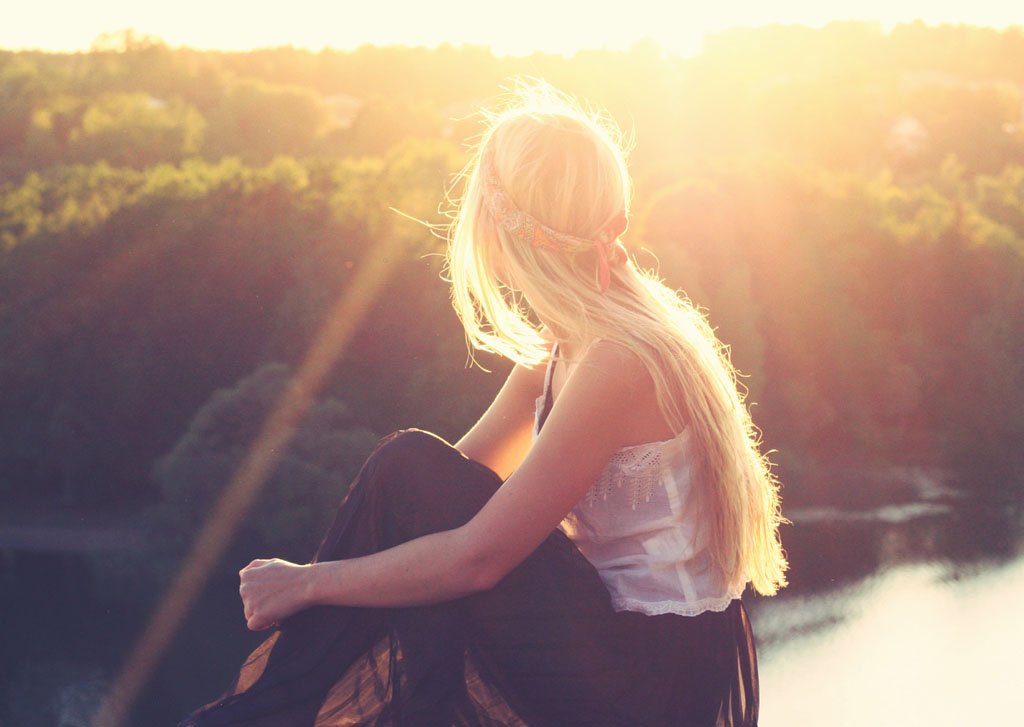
435, 568
430, 569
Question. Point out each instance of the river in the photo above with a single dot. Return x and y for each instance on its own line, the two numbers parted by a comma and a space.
897, 615
938, 641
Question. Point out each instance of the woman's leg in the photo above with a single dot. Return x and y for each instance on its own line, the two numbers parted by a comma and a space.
409, 660
545, 637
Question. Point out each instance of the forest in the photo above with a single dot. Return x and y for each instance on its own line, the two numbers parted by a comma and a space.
176, 226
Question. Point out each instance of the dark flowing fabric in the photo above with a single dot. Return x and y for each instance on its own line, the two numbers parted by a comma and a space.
542, 648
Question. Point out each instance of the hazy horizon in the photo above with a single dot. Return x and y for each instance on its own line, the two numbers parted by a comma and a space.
534, 26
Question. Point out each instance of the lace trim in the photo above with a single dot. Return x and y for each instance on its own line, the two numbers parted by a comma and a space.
641, 487
682, 608
640, 467
637, 459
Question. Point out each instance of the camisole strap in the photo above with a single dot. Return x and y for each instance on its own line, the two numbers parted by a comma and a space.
548, 398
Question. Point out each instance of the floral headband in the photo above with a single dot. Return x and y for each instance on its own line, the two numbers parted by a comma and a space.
528, 229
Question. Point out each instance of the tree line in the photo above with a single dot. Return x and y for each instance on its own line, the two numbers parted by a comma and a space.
847, 204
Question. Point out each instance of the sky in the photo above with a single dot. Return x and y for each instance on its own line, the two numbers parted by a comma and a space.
515, 28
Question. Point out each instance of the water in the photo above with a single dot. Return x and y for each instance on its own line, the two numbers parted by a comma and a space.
897, 615
928, 644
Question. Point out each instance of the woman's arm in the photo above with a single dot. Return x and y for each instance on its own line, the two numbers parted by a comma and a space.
503, 435
429, 569
593, 417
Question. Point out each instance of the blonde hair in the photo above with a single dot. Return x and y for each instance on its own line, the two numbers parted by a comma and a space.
566, 167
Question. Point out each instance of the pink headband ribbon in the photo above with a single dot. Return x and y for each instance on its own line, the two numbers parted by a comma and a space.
525, 227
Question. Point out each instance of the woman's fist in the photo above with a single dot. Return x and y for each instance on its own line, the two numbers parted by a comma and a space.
271, 591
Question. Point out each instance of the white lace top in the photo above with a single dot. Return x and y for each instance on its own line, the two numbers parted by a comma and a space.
637, 526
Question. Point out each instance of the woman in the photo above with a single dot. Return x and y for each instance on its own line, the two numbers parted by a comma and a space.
578, 556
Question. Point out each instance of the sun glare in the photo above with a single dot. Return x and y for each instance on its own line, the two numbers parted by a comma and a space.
514, 29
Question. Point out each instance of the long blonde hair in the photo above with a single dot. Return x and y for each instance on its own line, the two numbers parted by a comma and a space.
566, 167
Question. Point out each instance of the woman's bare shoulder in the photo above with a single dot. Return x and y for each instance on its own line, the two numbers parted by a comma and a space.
619, 361
626, 371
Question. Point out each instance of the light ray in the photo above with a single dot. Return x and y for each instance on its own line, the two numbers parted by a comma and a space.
220, 526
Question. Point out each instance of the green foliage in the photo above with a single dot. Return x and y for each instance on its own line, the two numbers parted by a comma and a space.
118, 280
382, 122
1000, 199
847, 204
21, 88
257, 119
72, 200
136, 130
298, 498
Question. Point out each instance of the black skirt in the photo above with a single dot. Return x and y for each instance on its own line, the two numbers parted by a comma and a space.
542, 648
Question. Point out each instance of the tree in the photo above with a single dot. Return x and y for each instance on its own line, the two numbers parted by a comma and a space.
136, 130
300, 495
257, 120
21, 88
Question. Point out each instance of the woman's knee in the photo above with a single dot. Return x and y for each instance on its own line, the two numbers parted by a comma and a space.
391, 493
410, 447
427, 483
410, 456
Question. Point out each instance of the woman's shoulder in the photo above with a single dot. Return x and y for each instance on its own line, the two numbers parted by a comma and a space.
618, 360
624, 369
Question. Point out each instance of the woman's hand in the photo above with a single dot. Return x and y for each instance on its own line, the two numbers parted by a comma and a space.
271, 591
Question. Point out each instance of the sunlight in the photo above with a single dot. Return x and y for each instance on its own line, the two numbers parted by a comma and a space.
887, 646
245, 485
528, 26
